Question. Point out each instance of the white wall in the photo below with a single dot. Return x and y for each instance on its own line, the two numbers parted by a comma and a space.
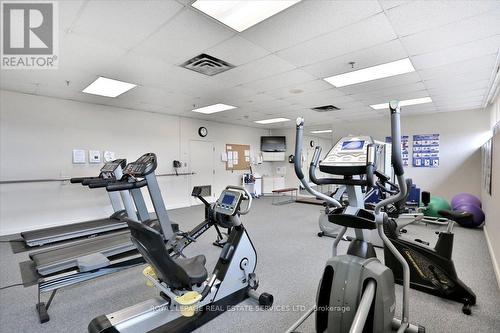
308, 151
491, 202
461, 135
37, 135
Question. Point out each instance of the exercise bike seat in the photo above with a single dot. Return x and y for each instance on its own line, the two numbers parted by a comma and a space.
177, 273
455, 215
194, 268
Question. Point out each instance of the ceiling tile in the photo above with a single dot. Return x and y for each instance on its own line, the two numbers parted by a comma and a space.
482, 64
87, 54
255, 70
308, 19
69, 11
367, 33
301, 89
423, 15
387, 4
237, 51
286, 79
124, 23
187, 35
458, 53
376, 55
467, 30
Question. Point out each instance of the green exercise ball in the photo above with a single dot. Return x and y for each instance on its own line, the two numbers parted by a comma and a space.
436, 204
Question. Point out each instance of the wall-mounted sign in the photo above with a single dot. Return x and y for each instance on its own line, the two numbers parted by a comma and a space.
426, 150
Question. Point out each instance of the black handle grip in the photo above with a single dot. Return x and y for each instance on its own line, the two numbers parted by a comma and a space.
77, 180
98, 184
121, 186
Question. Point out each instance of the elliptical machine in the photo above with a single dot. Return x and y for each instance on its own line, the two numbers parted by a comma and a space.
356, 292
189, 297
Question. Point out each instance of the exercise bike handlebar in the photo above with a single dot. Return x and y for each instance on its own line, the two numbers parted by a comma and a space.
396, 158
298, 165
247, 196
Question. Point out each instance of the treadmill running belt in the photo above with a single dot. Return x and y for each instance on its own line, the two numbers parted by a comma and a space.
64, 257
46, 235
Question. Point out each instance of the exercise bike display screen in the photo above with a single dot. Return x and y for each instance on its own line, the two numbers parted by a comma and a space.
228, 199
353, 145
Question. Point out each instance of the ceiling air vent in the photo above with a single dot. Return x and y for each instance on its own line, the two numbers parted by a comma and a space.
325, 108
207, 65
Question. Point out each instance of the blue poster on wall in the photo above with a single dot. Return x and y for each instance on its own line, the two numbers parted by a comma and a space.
405, 147
426, 151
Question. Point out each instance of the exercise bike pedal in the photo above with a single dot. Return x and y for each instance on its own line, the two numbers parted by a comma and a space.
321, 234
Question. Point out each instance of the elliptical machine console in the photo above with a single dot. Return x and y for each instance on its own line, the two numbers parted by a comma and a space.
349, 156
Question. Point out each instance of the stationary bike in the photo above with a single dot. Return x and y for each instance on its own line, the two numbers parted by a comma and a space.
189, 297
356, 292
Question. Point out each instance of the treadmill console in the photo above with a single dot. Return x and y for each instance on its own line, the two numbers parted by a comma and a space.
109, 168
144, 165
228, 202
349, 156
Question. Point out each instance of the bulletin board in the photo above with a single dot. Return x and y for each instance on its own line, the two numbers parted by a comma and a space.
238, 157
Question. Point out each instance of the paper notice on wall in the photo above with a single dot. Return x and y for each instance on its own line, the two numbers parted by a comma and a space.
229, 155
247, 158
235, 156
223, 157
247, 152
230, 164
229, 148
79, 156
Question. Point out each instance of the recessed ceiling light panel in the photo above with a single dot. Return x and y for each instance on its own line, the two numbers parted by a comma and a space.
272, 121
322, 131
108, 87
398, 67
242, 14
214, 108
407, 102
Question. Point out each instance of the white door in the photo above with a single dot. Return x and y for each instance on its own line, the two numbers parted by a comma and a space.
202, 159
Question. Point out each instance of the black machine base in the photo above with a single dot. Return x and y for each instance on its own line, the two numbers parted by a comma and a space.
101, 324
430, 272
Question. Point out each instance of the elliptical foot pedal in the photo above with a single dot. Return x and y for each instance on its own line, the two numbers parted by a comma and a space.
42, 312
466, 309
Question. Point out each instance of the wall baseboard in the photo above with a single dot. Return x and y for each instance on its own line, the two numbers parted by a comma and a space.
496, 267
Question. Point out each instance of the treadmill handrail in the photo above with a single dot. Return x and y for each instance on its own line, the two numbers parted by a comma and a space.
126, 185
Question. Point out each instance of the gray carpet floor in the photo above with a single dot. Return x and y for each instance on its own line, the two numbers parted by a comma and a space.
290, 262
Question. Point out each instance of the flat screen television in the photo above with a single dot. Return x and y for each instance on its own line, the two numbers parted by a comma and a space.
272, 143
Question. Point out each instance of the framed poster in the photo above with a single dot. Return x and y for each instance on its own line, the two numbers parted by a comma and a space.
426, 150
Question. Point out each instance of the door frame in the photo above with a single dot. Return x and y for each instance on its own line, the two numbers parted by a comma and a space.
212, 198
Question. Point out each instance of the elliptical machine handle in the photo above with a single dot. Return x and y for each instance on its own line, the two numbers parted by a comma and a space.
396, 159
297, 163
248, 197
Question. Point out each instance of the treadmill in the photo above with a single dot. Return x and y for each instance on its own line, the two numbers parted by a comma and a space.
85, 259
111, 171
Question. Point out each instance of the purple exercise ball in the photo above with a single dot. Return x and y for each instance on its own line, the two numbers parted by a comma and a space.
465, 198
477, 213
